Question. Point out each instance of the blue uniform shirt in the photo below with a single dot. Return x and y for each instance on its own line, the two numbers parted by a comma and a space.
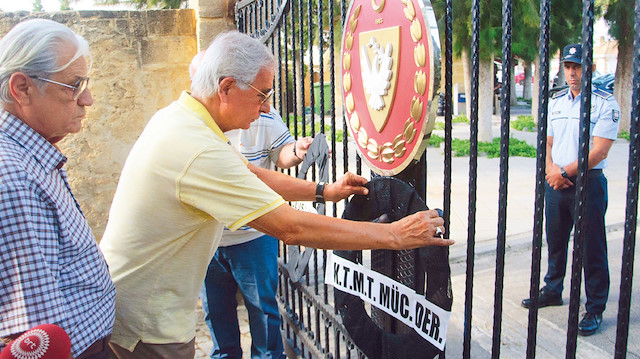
564, 123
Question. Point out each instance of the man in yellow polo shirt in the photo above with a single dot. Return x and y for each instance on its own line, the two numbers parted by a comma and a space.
183, 183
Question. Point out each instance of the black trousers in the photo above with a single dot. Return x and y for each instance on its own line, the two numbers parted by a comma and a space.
559, 213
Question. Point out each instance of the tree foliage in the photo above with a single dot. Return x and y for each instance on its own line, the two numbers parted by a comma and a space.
619, 17
565, 24
526, 29
37, 5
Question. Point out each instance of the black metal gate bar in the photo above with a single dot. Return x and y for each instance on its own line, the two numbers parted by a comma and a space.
321, 45
297, 53
292, 113
505, 105
536, 246
302, 70
473, 175
321, 60
312, 327
308, 327
332, 66
280, 84
581, 181
345, 131
310, 37
631, 221
289, 292
448, 101
294, 70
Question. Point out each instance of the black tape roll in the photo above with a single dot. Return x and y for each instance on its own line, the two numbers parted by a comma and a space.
389, 200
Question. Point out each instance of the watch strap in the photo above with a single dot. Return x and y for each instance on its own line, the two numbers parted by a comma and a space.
564, 173
320, 192
294, 150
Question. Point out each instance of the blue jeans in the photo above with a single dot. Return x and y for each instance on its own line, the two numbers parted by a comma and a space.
559, 214
252, 267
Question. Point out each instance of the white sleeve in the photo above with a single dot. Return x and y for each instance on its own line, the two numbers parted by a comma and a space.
608, 120
278, 135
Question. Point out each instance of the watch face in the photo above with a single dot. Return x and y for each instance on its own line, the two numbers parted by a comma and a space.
320, 192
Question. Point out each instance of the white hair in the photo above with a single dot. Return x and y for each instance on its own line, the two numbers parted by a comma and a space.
35, 47
231, 54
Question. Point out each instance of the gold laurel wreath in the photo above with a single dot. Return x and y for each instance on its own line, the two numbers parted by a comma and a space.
388, 151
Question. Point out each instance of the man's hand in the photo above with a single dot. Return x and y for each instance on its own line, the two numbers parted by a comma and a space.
293, 153
345, 186
420, 229
302, 146
554, 178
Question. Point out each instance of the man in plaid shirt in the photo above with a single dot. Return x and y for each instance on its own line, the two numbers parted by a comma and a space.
51, 269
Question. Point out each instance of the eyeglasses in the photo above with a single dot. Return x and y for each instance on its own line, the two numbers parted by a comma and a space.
78, 88
267, 95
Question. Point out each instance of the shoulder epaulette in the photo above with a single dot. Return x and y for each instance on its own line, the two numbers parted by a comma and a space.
560, 93
601, 93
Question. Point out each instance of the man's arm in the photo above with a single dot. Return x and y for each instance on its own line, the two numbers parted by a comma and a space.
295, 189
313, 230
553, 172
597, 154
288, 158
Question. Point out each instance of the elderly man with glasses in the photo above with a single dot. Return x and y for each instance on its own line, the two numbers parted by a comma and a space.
183, 183
51, 268
267, 143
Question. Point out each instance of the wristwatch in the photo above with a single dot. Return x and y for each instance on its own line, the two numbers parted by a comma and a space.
320, 192
294, 150
564, 173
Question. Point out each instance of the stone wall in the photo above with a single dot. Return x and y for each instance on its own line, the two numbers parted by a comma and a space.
140, 64
212, 18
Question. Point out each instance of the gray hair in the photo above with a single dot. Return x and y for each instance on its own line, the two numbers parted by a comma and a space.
34, 48
231, 54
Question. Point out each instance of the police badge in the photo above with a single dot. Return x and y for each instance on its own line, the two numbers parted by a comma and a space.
390, 75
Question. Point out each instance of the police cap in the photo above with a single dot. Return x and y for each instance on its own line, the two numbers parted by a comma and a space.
572, 53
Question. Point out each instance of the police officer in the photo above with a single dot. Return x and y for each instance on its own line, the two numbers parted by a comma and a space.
561, 171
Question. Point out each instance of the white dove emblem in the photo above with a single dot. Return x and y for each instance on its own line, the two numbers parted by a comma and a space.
376, 75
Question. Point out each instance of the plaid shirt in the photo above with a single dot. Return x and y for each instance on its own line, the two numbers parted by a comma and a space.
51, 269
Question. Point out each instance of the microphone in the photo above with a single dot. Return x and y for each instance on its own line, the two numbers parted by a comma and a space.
45, 341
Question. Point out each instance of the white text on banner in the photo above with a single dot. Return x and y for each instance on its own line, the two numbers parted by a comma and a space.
399, 301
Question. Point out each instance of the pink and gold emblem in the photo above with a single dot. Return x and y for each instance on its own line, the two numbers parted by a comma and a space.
388, 81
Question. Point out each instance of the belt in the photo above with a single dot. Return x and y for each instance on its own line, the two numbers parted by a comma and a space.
97, 347
590, 173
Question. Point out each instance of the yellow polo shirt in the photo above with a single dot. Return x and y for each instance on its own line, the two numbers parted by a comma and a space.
180, 186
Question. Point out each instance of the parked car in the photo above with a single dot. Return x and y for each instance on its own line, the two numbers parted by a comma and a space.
595, 74
604, 82
556, 89
520, 79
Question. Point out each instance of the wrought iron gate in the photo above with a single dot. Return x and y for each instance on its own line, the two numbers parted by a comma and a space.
303, 36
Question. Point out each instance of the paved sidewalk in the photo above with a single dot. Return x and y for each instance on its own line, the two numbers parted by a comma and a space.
552, 321
520, 211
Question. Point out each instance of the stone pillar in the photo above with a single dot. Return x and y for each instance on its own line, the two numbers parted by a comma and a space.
212, 18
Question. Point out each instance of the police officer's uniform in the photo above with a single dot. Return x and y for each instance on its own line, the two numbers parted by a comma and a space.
564, 126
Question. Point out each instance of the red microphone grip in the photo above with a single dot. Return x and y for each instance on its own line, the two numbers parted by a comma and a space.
46, 341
